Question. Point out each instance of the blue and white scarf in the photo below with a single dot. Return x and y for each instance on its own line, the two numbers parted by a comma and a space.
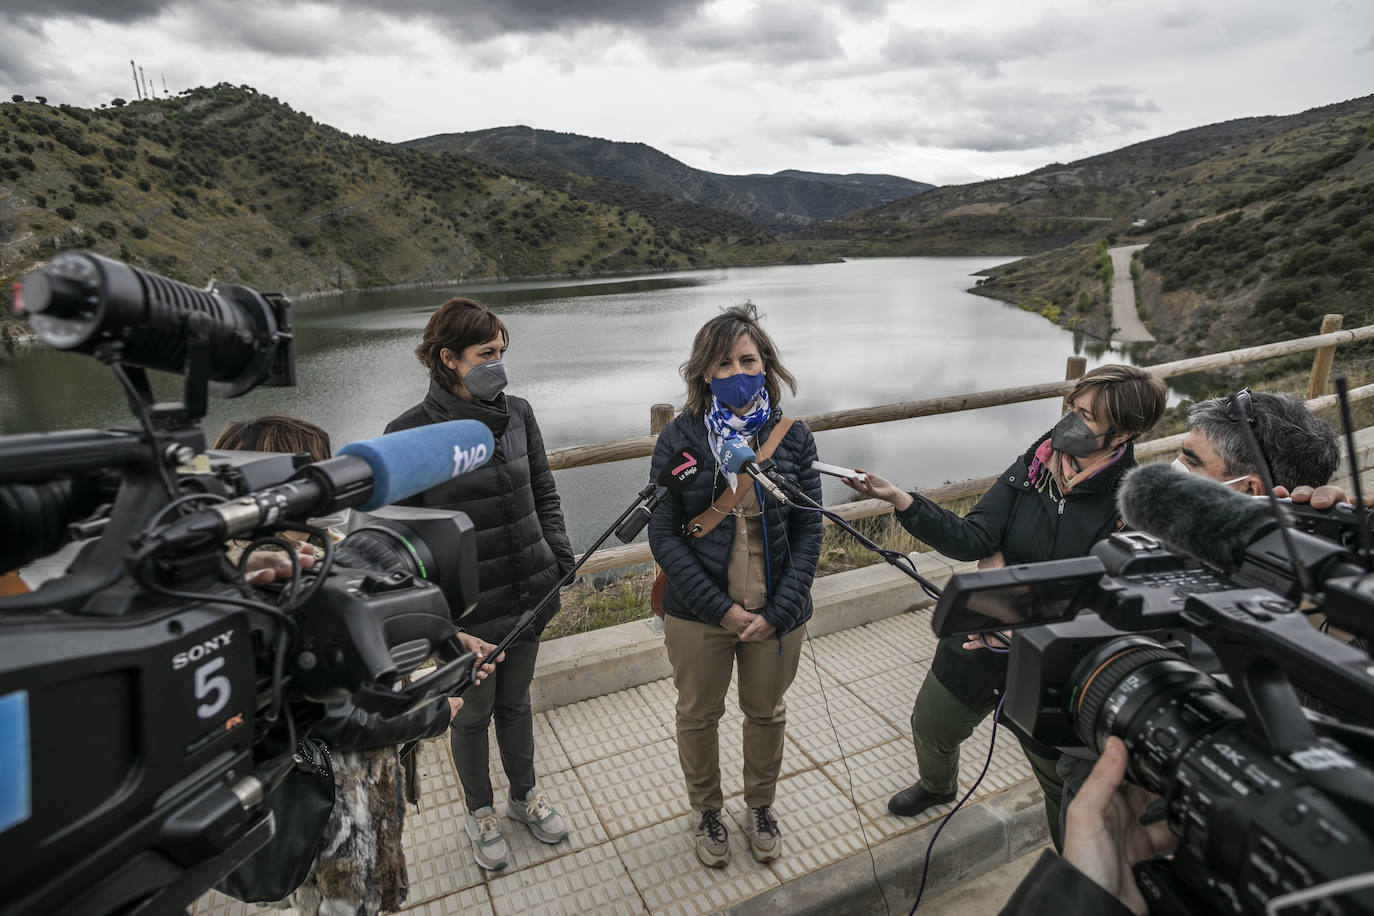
723, 424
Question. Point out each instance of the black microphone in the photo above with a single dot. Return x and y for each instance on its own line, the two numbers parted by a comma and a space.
1226, 530
677, 475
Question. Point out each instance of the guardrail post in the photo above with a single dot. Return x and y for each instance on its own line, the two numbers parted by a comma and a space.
660, 415
1073, 369
1321, 362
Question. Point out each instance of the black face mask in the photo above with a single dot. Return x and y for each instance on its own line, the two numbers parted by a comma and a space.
1072, 436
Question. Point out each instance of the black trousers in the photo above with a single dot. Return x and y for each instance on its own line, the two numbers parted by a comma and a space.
505, 696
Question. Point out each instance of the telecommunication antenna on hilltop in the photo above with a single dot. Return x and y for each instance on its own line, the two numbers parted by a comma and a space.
164, 85
138, 90
149, 93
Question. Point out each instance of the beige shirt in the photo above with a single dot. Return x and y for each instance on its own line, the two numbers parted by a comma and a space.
747, 578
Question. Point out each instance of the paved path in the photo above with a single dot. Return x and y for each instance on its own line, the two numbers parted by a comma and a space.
610, 764
1130, 329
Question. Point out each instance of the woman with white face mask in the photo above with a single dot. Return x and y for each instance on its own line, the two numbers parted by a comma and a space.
1054, 502
522, 552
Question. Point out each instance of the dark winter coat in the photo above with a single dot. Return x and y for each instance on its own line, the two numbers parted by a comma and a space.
697, 569
1027, 525
522, 542
1055, 886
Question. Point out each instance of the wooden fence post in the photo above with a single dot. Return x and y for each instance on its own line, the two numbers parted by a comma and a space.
1321, 362
660, 415
1073, 369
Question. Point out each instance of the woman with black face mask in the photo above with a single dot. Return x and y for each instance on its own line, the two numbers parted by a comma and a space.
522, 552
1055, 501
737, 571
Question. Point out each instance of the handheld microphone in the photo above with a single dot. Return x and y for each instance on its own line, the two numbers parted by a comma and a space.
1226, 530
736, 456
677, 475
367, 474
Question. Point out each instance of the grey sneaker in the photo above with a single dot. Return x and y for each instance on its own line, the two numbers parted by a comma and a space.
488, 843
536, 813
765, 839
713, 841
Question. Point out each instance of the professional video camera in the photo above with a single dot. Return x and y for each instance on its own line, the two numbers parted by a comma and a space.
149, 701
1191, 662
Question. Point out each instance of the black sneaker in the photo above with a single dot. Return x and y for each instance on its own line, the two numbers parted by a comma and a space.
713, 842
765, 839
912, 800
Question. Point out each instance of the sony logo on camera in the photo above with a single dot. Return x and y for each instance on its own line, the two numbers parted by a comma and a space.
196, 653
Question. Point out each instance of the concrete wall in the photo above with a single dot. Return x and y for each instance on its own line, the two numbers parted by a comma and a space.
616, 658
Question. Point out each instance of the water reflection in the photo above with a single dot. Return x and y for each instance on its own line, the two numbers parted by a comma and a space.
593, 355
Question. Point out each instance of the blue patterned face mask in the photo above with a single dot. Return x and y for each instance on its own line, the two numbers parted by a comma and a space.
737, 391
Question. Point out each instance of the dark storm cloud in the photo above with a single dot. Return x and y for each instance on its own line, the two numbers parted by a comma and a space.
981, 50
777, 33
118, 11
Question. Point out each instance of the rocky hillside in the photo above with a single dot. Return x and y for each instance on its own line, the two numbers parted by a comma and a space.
784, 200
1250, 244
228, 183
1167, 181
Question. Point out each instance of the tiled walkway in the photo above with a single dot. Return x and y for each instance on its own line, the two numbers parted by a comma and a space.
610, 765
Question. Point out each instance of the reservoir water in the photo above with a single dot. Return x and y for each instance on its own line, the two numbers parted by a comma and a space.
592, 355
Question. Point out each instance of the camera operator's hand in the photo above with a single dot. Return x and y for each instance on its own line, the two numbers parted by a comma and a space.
1320, 498
875, 487
454, 704
483, 650
1000, 641
266, 566
1103, 836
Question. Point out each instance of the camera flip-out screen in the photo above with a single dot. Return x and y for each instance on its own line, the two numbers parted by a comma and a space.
1016, 596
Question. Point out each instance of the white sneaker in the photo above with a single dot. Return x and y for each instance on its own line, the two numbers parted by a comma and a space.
765, 839
488, 843
536, 813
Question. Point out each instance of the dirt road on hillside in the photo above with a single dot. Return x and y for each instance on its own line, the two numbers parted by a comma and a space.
1130, 329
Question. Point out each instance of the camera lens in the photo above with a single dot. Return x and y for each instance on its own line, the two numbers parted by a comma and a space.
382, 547
1152, 698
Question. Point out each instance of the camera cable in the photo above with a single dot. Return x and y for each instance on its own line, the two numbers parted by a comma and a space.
992, 745
844, 761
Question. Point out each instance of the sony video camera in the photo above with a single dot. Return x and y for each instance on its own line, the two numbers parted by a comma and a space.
1193, 665
149, 700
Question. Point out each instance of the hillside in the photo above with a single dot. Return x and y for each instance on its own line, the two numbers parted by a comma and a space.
1166, 181
1259, 241
227, 183
785, 200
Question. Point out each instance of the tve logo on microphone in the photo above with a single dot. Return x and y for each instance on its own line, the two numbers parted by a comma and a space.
465, 459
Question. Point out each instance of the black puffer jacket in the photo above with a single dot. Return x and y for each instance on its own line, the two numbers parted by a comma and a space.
522, 542
698, 568
1028, 526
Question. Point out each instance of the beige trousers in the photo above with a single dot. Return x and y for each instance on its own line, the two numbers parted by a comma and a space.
702, 657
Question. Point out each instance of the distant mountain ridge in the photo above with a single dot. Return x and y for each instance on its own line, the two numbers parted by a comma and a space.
1167, 180
786, 200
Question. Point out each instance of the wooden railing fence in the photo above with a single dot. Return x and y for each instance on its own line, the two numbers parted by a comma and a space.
1323, 344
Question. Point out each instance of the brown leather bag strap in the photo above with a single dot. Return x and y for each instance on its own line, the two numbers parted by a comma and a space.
703, 523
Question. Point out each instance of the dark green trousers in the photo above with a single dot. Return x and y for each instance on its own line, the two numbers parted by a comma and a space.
940, 723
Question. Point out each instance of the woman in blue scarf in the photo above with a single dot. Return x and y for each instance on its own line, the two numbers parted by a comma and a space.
738, 566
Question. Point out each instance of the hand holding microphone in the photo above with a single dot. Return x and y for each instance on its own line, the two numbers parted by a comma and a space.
875, 487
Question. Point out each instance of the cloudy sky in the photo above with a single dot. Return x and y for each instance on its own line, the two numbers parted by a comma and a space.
936, 91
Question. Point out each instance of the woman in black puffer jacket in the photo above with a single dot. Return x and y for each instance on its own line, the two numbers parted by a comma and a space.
738, 571
522, 552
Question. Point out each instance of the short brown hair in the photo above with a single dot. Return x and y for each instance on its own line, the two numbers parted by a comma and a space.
275, 432
455, 326
1129, 399
715, 339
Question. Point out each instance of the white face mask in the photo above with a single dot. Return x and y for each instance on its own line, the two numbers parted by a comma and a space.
1178, 465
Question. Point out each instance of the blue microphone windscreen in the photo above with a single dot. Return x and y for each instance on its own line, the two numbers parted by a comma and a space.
413, 460
735, 454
